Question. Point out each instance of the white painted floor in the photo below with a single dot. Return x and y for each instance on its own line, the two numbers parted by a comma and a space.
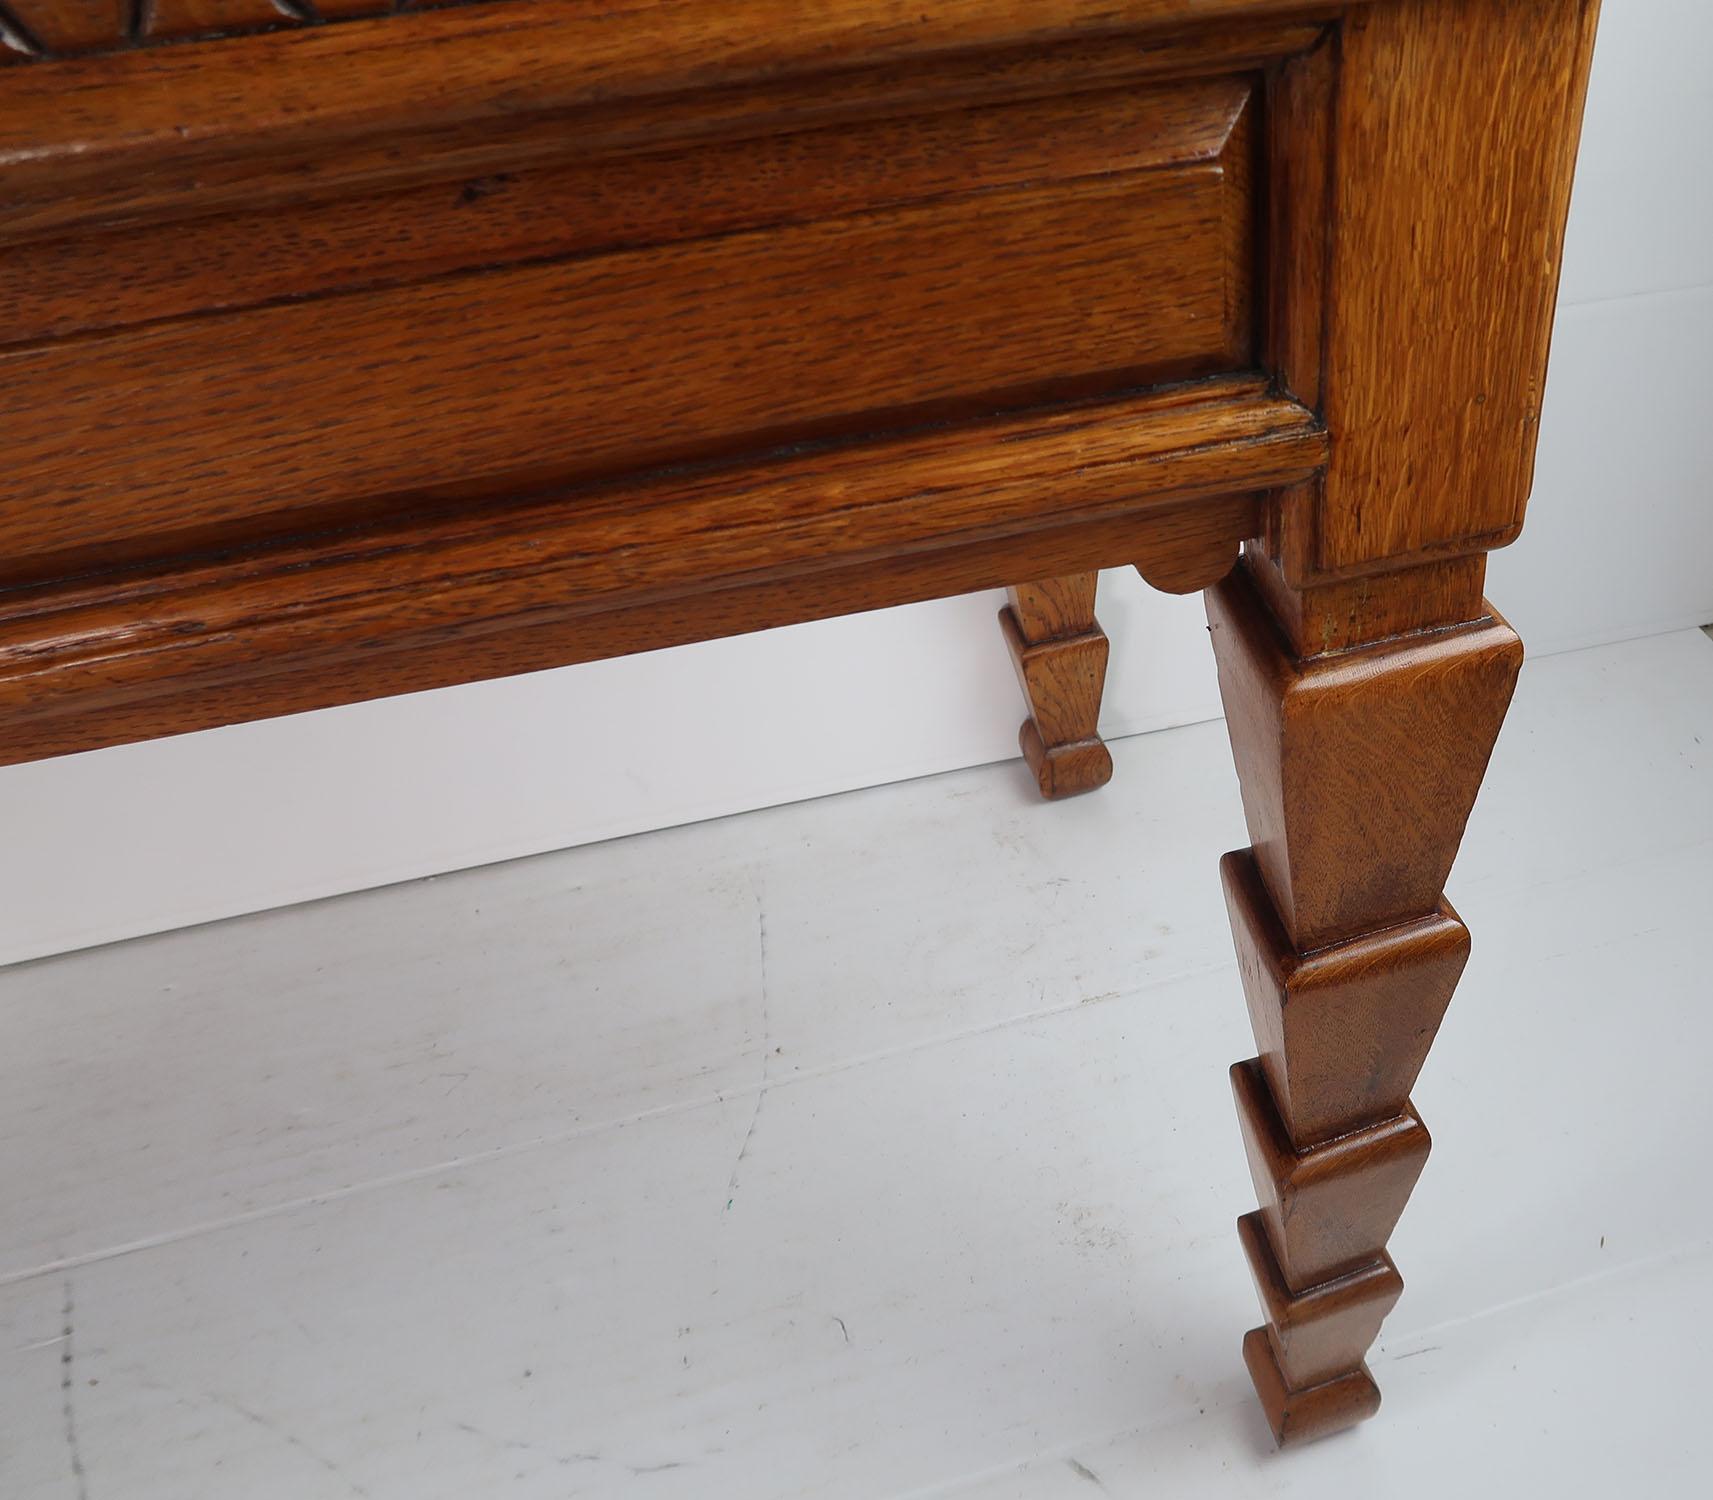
872, 1147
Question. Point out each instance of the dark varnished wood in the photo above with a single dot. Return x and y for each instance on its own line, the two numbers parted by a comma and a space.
1322, 1333
1060, 653
1298, 1415
107, 160
356, 348
47, 28
1458, 124
1341, 613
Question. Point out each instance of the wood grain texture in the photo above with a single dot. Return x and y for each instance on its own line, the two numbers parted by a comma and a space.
1329, 1209
640, 564
314, 152
1061, 679
503, 381
135, 273
1324, 1332
778, 29
1299, 1416
68, 25
50, 28
1367, 759
1050, 608
1347, 612
1358, 765
1417, 195
1456, 138
129, 700
1343, 1030
1060, 654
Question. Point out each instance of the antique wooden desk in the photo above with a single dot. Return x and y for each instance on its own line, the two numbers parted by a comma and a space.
349, 352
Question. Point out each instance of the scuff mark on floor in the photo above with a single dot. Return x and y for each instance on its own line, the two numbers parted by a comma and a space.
515, 1445
1083, 1471
766, 1048
291, 1440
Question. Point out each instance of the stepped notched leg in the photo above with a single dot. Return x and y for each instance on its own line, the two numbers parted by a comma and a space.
1358, 767
1060, 654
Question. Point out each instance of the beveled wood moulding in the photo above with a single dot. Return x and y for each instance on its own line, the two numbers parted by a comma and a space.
190, 127
582, 202
451, 596
1130, 274
355, 348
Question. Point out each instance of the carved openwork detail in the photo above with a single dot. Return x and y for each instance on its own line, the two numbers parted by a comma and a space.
59, 28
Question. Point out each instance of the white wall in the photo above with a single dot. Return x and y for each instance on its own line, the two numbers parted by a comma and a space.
1620, 543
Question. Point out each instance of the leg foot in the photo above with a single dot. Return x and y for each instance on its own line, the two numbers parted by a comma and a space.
1060, 654
1297, 1416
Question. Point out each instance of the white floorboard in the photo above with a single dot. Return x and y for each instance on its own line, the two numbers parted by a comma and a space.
872, 1147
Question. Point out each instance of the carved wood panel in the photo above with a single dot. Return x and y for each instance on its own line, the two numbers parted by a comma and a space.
58, 28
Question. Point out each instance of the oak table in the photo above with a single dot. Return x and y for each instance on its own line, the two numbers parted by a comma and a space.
353, 348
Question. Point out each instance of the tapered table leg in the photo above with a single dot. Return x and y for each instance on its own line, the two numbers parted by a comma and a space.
1060, 654
1358, 766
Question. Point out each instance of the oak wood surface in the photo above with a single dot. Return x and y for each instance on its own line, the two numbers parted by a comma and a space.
66, 123
1301, 92
1457, 124
1168, 479
162, 19
1344, 613
126, 699
1359, 765
1300, 1415
1372, 755
291, 161
1060, 654
340, 406
58, 27
141, 272
753, 34
1324, 1332
1329, 1209
67, 25
1344, 1030
1050, 608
